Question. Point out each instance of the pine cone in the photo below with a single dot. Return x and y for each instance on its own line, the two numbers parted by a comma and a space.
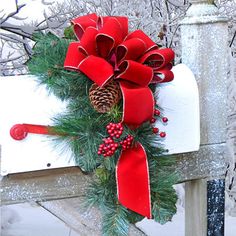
104, 98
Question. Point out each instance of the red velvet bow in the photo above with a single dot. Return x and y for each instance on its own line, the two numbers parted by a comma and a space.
107, 51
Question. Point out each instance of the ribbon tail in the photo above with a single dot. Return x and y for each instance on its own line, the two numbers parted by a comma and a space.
138, 104
133, 185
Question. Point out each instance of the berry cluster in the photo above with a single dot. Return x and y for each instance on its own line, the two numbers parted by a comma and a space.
155, 130
108, 147
127, 142
115, 130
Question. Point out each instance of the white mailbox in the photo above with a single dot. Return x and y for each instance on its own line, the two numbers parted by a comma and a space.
180, 101
23, 100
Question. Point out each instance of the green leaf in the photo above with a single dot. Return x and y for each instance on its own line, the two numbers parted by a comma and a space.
69, 33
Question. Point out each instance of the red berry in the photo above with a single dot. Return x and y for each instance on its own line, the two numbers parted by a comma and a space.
162, 134
155, 130
153, 120
114, 130
164, 119
157, 112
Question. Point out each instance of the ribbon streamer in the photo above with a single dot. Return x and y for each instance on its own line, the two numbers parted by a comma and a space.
133, 180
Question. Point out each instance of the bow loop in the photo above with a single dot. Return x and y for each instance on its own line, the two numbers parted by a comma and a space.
87, 43
97, 69
123, 21
81, 23
109, 36
162, 76
150, 45
158, 59
130, 49
135, 72
73, 56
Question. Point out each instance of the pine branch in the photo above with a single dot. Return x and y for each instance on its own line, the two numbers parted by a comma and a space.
102, 189
48, 66
115, 221
162, 178
82, 135
101, 193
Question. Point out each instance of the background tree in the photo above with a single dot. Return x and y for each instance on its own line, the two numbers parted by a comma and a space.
159, 19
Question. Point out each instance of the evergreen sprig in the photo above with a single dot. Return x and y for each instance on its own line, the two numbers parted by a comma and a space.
82, 130
47, 64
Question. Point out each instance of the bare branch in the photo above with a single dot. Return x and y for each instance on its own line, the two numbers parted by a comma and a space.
155, 18
44, 2
232, 40
18, 7
10, 59
19, 18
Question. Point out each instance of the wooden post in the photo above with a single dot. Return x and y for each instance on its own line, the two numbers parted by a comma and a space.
204, 50
195, 208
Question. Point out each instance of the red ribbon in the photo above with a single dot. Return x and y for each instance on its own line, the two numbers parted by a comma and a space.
107, 51
133, 180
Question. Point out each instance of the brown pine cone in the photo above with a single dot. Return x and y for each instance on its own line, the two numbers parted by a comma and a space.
104, 98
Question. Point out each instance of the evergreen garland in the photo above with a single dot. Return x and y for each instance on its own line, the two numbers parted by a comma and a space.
84, 128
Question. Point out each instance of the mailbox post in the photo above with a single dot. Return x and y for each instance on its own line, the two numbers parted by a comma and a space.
204, 50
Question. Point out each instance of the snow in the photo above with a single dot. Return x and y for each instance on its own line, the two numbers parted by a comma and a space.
151, 228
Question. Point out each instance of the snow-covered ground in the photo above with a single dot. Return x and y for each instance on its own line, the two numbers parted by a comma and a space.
176, 227
31, 220
27, 220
